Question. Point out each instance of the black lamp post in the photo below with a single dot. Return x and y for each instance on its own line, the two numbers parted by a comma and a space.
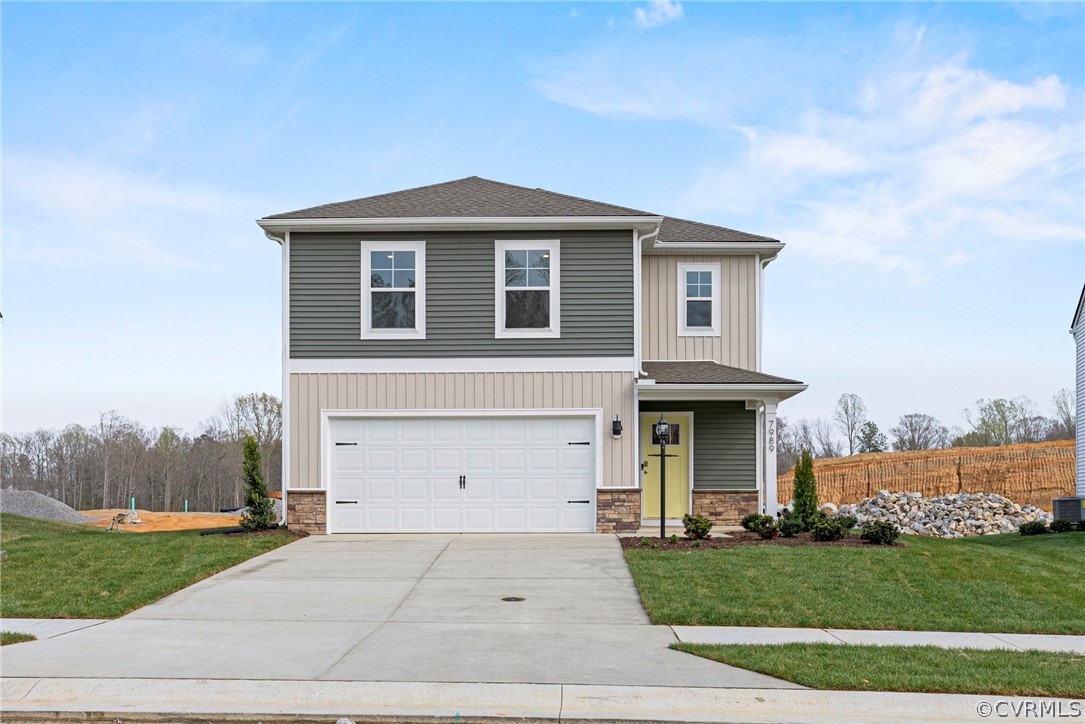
663, 431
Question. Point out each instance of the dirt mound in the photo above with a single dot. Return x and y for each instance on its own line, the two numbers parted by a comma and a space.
1034, 473
152, 522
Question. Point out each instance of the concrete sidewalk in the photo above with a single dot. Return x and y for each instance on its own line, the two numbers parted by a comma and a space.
186, 700
942, 639
47, 628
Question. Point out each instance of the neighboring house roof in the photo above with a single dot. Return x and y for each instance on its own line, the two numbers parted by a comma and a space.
697, 372
477, 197
1079, 313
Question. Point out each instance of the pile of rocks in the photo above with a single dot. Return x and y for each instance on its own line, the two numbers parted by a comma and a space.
33, 504
946, 516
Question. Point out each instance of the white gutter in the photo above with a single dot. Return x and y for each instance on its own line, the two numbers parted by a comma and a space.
638, 292
653, 389
767, 249
457, 222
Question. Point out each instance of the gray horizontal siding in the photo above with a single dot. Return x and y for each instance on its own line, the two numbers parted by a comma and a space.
724, 443
596, 297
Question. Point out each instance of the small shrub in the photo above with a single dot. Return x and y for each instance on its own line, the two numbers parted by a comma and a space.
790, 525
749, 520
697, 526
879, 532
259, 509
768, 530
1061, 526
760, 522
828, 529
644, 542
674, 538
1035, 527
846, 521
695, 544
1081, 525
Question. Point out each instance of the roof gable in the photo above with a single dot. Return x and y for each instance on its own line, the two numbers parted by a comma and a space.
475, 197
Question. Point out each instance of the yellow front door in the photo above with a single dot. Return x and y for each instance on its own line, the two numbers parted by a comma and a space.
677, 466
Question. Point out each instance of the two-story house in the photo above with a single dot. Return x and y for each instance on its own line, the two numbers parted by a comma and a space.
478, 356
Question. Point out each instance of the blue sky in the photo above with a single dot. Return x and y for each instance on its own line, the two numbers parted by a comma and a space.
924, 162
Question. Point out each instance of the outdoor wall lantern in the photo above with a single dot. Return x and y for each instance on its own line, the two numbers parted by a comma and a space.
616, 427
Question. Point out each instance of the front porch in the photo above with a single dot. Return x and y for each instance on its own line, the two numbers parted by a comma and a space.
722, 438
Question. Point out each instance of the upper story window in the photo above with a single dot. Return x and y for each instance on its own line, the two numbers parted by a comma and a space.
528, 289
393, 290
699, 298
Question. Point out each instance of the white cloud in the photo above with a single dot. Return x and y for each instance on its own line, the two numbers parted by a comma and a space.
927, 152
657, 12
80, 214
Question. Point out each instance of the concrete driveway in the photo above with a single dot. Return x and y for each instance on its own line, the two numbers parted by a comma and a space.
397, 608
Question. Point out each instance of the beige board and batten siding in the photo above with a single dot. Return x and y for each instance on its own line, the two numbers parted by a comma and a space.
612, 392
737, 344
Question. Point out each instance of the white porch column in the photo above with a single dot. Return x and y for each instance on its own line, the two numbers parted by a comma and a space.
769, 437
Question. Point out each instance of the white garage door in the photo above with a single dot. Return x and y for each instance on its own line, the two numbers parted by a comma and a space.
469, 474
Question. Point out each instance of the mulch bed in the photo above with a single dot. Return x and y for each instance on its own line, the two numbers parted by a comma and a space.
741, 538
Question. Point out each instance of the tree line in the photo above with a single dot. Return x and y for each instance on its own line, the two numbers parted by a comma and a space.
990, 423
106, 464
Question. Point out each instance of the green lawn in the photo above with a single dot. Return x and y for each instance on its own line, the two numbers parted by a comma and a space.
14, 637
1006, 583
908, 668
61, 570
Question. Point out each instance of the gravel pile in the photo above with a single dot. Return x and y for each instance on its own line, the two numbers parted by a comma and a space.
35, 505
946, 516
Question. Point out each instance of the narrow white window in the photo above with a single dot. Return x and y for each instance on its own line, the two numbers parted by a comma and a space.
393, 290
699, 295
528, 289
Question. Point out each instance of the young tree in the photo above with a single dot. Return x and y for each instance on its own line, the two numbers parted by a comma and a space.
919, 432
850, 415
871, 439
806, 490
260, 511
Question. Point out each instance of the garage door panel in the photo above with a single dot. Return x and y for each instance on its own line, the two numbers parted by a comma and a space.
478, 487
478, 460
512, 459
520, 474
380, 489
414, 489
478, 430
510, 431
381, 460
414, 460
511, 488
478, 519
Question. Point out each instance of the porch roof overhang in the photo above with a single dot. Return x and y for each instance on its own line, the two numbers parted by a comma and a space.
708, 380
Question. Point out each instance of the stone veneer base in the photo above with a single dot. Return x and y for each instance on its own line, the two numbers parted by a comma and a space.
306, 510
617, 510
725, 507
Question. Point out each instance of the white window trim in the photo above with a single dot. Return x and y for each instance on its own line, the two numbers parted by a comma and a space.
419, 249
717, 303
554, 330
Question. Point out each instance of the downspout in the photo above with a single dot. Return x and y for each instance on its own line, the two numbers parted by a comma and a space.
638, 301
285, 476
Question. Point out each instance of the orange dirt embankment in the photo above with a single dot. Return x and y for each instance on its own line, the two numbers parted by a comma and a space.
153, 522
1034, 473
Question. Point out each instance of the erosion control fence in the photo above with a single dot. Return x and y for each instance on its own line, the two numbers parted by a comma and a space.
1034, 473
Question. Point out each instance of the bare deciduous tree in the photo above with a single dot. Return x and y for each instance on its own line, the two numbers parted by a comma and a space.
1064, 426
919, 432
850, 415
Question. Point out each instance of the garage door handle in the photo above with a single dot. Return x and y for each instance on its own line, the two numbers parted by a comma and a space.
342, 502
579, 443
340, 444
577, 501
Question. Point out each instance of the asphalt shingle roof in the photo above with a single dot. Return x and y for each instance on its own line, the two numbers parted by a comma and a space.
696, 372
478, 197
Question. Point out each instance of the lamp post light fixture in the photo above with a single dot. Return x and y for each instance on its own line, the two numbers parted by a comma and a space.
663, 431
